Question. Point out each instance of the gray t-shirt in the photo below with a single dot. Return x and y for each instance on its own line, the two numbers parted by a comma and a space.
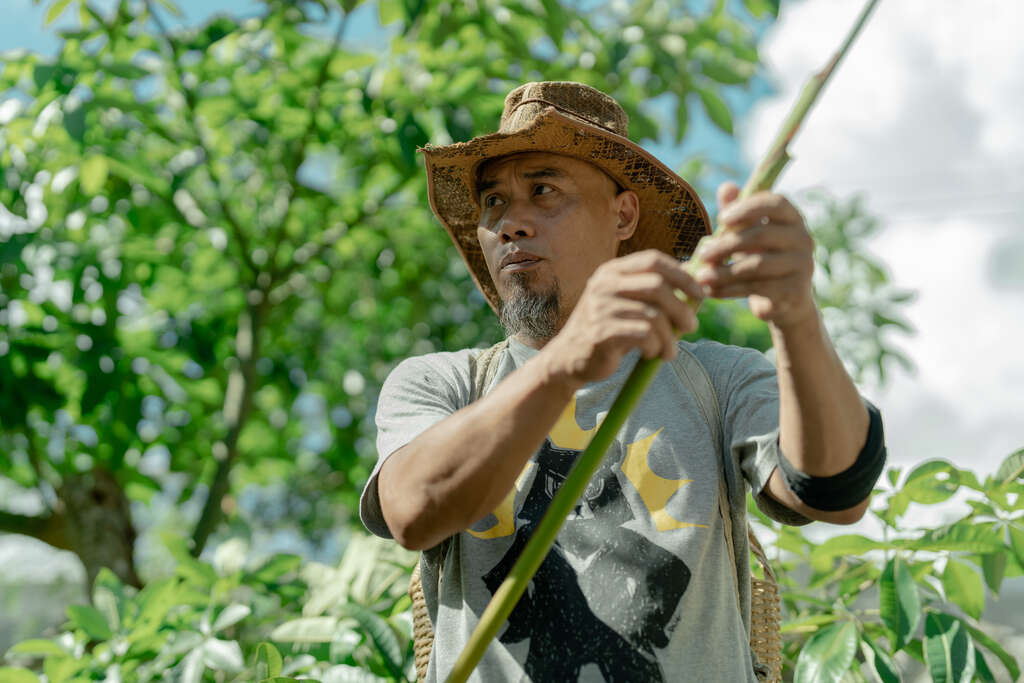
639, 585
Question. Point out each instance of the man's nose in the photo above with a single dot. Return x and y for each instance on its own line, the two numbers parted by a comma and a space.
515, 224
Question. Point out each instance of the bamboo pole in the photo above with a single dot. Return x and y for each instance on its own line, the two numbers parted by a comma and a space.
508, 594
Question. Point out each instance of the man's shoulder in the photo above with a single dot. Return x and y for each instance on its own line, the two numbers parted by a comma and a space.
437, 369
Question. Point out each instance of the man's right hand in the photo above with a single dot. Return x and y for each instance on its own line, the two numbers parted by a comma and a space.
629, 302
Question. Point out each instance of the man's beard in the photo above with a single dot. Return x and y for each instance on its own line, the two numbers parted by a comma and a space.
536, 314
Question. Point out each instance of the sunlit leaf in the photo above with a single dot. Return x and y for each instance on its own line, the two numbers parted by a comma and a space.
963, 586
717, 109
268, 661
90, 620
55, 10
827, 656
231, 615
93, 174
12, 674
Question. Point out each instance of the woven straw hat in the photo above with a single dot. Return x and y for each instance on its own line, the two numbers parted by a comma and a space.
578, 121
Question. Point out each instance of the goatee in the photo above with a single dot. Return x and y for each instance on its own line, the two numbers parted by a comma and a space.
535, 314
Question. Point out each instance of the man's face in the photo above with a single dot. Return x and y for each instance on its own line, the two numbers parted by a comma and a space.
547, 222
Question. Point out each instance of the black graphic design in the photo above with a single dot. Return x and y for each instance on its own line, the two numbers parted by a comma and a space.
605, 595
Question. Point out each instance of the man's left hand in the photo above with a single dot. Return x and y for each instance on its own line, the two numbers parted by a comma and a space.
763, 251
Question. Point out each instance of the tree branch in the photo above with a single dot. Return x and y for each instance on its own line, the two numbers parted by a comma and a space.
328, 237
299, 155
48, 529
237, 407
201, 141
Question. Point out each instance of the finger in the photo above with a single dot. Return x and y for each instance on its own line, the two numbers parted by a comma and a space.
654, 289
751, 268
674, 272
750, 211
727, 194
772, 236
777, 291
638, 334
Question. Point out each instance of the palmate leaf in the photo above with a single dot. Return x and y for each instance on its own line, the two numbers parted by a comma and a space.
1012, 468
899, 601
827, 656
948, 650
717, 109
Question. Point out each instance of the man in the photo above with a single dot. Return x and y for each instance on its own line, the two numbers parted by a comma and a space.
574, 235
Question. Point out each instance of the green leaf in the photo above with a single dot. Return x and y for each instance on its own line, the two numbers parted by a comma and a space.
827, 656
1017, 543
963, 537
276, 567
171, 7
989, 643
306, 630
994, 567
981, 668
11, 674
389, 11
268, 661
716, 108
56, 9
948, 650
90, 620
37, 646
899, 601
682, 119
231, 615
223, 655
93, 174
381, 633
964, 587
880, 661
1012, 468
840, 546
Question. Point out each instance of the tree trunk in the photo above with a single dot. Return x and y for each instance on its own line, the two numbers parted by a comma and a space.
97, 525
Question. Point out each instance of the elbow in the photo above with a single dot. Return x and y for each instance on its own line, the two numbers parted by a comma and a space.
850, 515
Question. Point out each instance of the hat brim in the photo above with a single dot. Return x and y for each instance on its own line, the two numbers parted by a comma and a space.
672, 216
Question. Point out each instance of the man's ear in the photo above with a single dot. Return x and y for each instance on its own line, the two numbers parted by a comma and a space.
627, 209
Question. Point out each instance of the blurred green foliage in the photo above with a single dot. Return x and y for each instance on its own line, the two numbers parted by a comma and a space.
854, 602
216, 242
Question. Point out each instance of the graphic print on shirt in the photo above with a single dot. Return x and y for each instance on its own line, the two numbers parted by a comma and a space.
605, 596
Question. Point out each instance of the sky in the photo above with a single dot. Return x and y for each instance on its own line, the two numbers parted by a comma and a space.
925, 118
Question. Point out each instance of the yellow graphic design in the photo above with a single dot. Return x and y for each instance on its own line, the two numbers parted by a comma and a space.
567, 433
655, 491
505, 512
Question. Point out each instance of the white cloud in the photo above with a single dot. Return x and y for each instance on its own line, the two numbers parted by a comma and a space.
924, 118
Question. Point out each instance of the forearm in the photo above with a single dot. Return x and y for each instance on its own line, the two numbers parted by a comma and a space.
460, 469
823, 423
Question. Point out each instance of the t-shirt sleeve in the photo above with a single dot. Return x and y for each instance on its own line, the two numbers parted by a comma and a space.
748, 390
418, 393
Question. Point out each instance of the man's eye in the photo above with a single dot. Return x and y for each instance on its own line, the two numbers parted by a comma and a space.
491, 200
543, 189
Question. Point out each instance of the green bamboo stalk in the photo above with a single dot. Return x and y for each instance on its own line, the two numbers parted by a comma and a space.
508, 594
